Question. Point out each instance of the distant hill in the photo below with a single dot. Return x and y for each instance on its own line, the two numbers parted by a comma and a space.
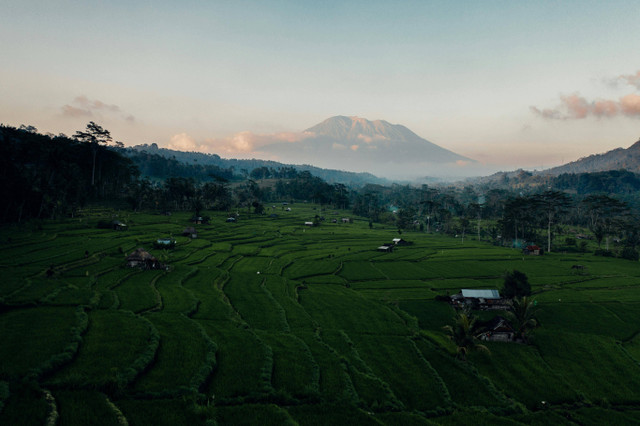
617, 159
197, 158
356, 143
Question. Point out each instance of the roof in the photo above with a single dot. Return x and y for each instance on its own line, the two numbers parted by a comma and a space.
140, 254
476, 294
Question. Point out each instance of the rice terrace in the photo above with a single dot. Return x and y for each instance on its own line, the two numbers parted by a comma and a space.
266, 320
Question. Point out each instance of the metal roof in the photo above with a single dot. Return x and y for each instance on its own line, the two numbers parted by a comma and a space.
485, 294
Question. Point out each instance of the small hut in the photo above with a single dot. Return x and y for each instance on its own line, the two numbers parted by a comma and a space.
164, 243
118, 226
140, 258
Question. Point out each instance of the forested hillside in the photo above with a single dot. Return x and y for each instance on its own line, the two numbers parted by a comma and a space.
244, 167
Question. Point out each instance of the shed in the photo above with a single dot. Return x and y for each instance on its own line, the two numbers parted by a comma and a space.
387, 248
400, 242
118, 226
346, 220
308, 224
231, 219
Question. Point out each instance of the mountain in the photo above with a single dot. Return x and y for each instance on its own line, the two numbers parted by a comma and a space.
357, 144
617, 159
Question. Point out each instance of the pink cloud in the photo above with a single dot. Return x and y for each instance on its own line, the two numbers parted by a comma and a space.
630, 105
633, 79
605, 108
71, 111
354, 147
239, 143
575, 107
81, 106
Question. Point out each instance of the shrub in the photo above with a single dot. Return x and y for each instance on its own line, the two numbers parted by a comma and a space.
516, 284
630, 253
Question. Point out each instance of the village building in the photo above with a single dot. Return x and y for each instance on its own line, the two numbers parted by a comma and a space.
231, 219
346, 220
308, 224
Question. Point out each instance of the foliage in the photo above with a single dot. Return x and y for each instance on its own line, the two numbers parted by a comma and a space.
516, 284
521, 316
463, 334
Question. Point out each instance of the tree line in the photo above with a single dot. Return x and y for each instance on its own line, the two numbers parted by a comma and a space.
48, 176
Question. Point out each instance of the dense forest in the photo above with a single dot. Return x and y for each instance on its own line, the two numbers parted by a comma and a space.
55, 176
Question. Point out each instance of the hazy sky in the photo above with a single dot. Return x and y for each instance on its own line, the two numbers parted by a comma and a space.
509, 83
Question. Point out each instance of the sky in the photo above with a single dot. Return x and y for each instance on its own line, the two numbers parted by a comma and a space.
511, 84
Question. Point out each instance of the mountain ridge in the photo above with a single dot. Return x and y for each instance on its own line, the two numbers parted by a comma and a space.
357, 144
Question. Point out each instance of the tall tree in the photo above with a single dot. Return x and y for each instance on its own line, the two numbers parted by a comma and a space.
605, 214
96, 136
553, 203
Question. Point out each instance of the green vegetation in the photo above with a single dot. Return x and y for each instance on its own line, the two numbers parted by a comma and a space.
267, 321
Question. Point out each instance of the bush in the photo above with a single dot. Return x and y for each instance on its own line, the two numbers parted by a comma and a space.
516, 284
630, 253
603, 253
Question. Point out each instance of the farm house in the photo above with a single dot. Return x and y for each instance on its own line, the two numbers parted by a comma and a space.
498, 330
533, 250
140, 258
190, 231
483, 298
164, 243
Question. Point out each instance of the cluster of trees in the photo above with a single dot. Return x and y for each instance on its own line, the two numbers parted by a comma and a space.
46, 176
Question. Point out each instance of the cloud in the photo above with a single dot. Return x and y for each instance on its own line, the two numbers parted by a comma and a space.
575, 107
338, 146
630, 105
239, 143
81, 106
71, 111
354, 147
365, 138
183, 142
633, 79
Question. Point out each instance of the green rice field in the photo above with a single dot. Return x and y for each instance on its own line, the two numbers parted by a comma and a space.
267, 321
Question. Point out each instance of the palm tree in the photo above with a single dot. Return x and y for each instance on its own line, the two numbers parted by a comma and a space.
521, 316
463, 334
